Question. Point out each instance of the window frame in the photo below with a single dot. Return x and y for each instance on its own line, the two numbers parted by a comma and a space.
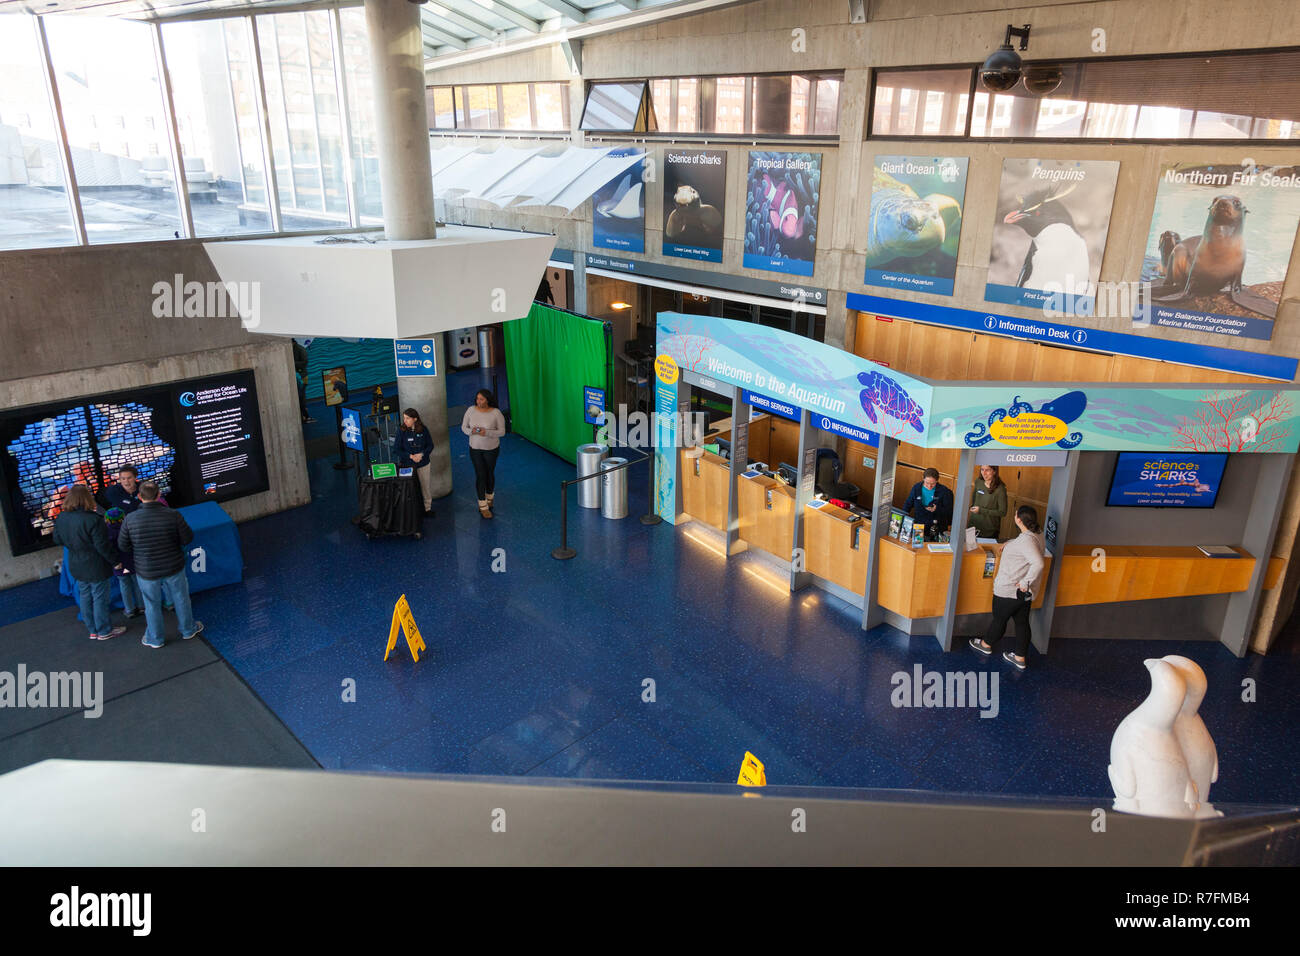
869, 124
706, 105
460, 109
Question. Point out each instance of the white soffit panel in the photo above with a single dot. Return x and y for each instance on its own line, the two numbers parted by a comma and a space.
479, 172
447, 156
581, 189
545, 174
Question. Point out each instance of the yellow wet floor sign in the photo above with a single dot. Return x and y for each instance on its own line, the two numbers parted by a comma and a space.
751, 772
404, 621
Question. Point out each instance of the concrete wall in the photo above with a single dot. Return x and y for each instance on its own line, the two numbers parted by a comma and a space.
78, 322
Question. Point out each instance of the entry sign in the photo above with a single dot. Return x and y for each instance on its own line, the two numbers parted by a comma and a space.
404, 621
415, 357
751, 772
593, 405
351, 433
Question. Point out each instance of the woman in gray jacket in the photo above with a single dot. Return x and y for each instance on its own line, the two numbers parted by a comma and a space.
1013, 588
484, 424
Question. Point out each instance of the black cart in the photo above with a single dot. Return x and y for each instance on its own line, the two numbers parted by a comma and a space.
390, 506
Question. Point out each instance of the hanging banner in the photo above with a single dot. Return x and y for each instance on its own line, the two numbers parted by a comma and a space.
666, 438
618, 209
914, 225
1050, 233
695, 203
782, 194
1218, 248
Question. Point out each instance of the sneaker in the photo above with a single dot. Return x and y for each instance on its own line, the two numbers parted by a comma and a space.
978, 644
309, 420
94, 636
1014, 661
147, 643
134, 613
198, 629
115, 632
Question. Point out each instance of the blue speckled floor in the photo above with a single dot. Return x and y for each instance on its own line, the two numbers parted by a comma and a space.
539, 670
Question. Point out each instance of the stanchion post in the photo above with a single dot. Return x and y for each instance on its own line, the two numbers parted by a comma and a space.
564, 552
650, 517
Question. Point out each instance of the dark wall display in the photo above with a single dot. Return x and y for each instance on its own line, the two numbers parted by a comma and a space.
695, 203
1146, 480
783, 192
201, 440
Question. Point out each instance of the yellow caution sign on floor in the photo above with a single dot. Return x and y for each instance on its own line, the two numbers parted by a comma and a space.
404, 621
751, 772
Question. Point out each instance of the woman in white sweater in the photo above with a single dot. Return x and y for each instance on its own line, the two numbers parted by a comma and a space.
1019, 568
484, 424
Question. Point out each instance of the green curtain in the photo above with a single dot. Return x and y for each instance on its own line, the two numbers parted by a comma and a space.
550, 356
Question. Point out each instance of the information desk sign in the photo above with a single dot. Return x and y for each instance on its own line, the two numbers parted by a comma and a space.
415, 357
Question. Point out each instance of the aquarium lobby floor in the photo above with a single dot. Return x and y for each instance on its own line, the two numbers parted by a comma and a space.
541, 669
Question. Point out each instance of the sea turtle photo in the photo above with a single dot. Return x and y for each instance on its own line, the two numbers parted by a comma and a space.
904, 226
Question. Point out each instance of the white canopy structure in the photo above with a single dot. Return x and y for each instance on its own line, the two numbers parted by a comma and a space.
557, 175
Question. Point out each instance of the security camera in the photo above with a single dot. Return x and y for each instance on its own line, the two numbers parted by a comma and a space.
1003, 69
1042, 79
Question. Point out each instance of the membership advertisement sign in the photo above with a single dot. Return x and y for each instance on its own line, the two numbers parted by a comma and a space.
1049, 234
1218, 247
695, 203
914, 225
782, 195
618, 210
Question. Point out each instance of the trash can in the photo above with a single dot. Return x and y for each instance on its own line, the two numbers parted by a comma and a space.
487, 347
613, 488
589, 459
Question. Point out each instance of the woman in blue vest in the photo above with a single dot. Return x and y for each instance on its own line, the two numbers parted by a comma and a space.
414, 445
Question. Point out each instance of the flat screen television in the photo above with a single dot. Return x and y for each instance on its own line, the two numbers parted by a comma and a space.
1166, 480
200, 439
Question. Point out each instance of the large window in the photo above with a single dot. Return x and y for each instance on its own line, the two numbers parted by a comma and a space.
780, 104
1217, 96
531, 107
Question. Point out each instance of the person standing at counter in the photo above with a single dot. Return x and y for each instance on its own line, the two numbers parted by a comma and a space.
930, 503
990, 505
413, 445
1013, 589
484, 424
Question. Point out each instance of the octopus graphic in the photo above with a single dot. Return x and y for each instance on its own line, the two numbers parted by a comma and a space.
1067, 408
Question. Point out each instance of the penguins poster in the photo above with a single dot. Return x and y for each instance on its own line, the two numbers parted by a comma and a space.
695, 203
1219, 246
618, 211
1049, 233
782, 195
914, 226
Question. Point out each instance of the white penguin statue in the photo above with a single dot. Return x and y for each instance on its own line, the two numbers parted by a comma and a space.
1193, 737
1147, 769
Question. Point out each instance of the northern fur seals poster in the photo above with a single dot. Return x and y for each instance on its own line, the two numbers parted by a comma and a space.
1219, 246
1049, 236
914, 225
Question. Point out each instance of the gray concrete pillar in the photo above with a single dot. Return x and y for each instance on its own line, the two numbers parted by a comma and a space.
406, 180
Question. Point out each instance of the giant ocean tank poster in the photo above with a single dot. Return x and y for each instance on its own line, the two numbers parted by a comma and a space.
783, 191
1219, 246
618, 211
914, 224
1049, 234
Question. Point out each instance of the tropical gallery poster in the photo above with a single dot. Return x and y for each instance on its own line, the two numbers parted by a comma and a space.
1219, 245
1049, 234
914, 225
782, 195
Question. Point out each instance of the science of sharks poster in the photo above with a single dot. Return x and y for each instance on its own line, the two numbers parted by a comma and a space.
914, 225
1219, 246
783, 191
1049, 233
618, 210
695, 203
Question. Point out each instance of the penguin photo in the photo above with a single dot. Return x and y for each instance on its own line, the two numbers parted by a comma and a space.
1058, 255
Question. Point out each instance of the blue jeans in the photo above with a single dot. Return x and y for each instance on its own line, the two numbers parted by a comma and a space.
178, 588
129, 585
94, 598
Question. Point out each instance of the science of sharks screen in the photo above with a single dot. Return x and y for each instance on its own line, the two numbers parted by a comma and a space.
199, 439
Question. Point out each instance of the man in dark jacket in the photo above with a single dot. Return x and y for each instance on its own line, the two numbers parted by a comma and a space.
156, 537
930, 503
125, 494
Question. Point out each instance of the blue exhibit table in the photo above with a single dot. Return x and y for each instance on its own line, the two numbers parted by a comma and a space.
221, 560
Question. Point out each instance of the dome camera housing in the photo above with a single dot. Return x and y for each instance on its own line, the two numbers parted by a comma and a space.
1002, 70
1042, 80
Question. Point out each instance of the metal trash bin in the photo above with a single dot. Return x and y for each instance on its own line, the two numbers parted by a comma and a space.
613, 491
589, 459
487, 347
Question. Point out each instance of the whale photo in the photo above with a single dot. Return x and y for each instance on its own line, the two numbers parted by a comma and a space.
1049, 233
914, 223
1219, 246
618, 212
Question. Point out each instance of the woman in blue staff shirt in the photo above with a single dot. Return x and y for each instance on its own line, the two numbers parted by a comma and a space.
413, 445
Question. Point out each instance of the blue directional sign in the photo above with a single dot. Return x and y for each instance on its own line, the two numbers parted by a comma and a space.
415, 357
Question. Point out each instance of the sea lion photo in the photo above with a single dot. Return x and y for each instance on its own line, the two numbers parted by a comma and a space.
1205, 264
692, 222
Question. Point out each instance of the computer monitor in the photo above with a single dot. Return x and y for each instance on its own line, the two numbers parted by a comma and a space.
788, 473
